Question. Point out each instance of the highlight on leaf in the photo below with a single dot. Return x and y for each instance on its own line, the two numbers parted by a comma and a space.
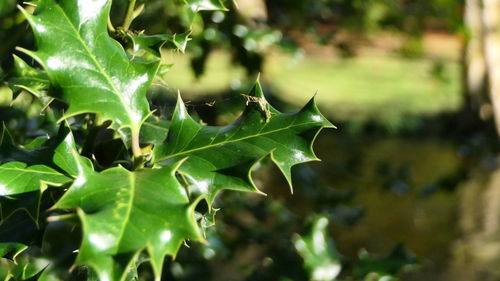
124, 213
221, 158
86, 68
22, 181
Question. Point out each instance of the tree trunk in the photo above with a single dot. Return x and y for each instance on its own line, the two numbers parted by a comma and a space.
491, 20
475, 64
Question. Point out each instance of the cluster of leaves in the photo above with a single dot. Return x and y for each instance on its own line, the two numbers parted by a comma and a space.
131, 184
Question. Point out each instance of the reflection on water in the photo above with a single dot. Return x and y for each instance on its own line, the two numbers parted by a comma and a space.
476, 254
379, 191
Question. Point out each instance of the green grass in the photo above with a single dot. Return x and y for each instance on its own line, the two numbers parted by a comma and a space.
382, 87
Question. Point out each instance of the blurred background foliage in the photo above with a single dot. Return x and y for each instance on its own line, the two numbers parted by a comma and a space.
409, 182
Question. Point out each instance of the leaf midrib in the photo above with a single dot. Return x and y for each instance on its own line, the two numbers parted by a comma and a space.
233, 140
132, 180
96, 62
29, 171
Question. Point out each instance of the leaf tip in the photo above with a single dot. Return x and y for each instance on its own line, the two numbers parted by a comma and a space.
312, 108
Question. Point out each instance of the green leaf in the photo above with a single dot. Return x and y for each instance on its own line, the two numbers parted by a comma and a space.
91, 71
22, 181
123, 213
154, 131
223, 157
36, 152
66, 155
35, 143
11, 249
153, 43
18, 180
25, 268
318, 251
205, 5
32, 80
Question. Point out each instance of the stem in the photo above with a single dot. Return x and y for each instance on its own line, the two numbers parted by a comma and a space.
129, 17
136, 150
138, 11
111, 28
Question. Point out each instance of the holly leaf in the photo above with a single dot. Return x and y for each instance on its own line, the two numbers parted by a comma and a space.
22, 180
124, 213
154, 130
39, 151
90, 71
32, 80
223, 157
205, 5
153, 43
318, 251
21, 186
26, 268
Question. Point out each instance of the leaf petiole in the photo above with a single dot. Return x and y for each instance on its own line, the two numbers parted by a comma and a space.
136, 150
129, 17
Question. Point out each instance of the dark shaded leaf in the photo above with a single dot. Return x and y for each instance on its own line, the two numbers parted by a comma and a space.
391, 265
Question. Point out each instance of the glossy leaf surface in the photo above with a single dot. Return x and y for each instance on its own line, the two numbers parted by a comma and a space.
223, 157
91, 71
18, 179
24, 269
22, 185
153, 43
22, 180
123, 213
205, 5
30, 79
154, 131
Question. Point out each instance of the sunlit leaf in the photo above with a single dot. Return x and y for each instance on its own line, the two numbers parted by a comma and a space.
90, 70
21, 186
205, 5
153, 43
154, 131
223, 157
123, 213
318, 251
